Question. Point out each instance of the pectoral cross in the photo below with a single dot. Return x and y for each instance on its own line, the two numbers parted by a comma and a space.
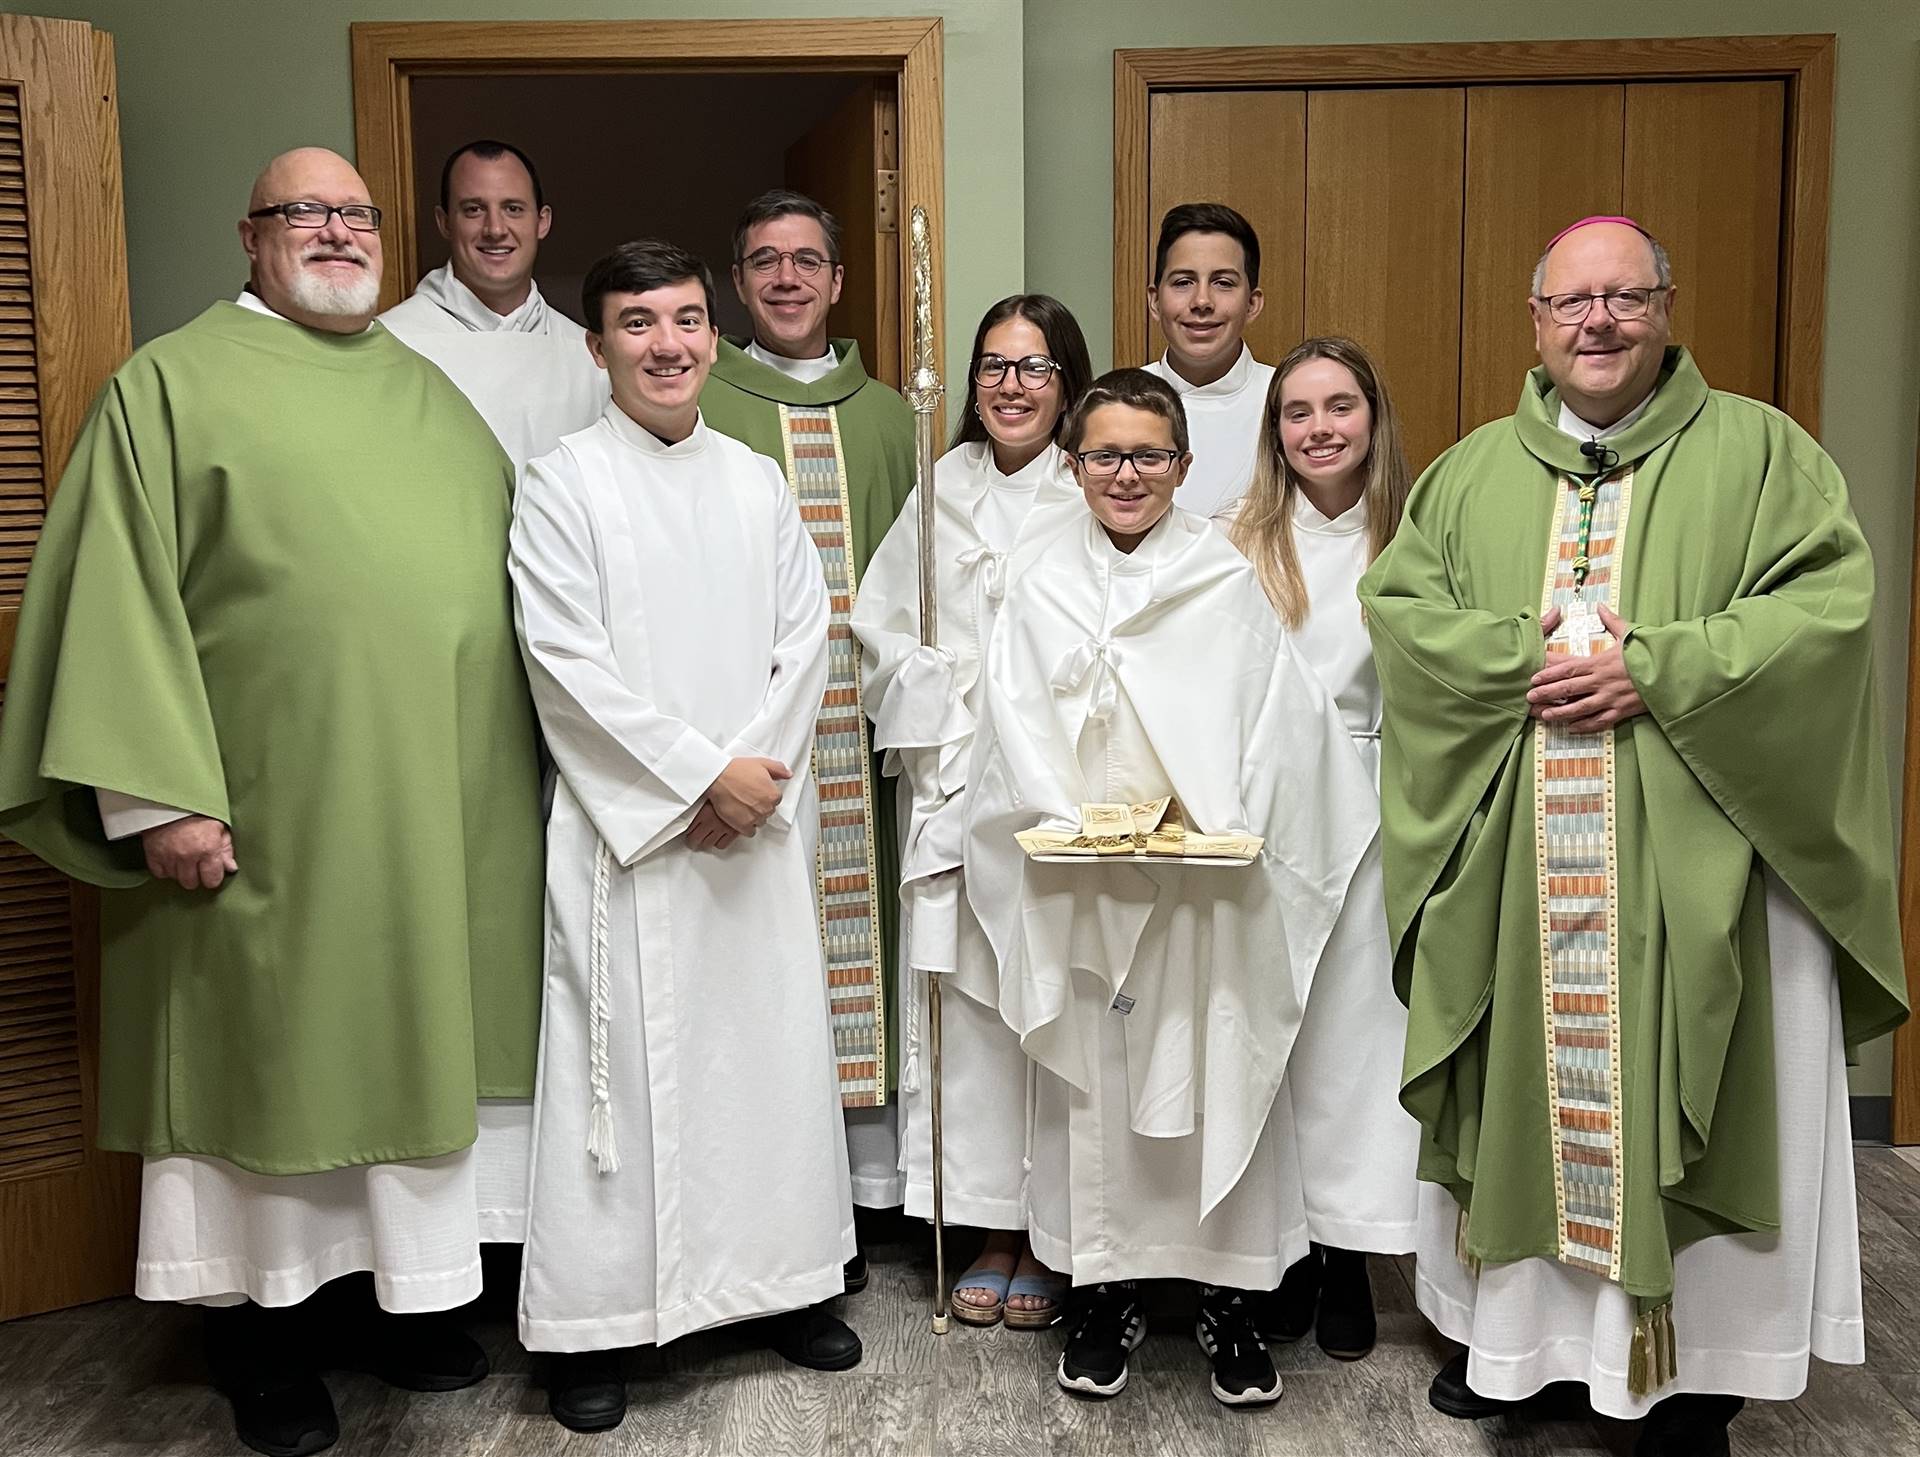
1581, 628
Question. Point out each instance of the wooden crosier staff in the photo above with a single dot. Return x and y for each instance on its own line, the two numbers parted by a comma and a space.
923, 392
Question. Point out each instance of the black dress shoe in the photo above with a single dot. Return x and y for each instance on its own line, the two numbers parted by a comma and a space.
291, 1418
812, 1338
1346, 1327
857, 1273
1285, 1315
417, 1352
1691, 1424
587, 1390
1450, 1394
262, 1361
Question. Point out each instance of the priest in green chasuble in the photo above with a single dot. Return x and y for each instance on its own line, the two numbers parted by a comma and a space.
265, 690
1639, 872
845, 442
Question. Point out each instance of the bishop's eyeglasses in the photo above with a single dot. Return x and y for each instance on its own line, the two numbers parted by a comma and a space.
362, 217
1622, 303
1034, 371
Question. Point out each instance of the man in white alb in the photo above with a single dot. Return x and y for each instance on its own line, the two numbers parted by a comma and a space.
689, 1167
1206, 290
480, 315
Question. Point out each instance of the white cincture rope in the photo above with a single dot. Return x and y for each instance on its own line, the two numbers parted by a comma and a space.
1033, 1099
599, 1014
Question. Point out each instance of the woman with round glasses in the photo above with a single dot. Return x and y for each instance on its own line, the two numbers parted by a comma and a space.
1329, 483
1003, 482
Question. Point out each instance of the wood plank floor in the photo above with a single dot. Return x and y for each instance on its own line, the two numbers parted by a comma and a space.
125, 1377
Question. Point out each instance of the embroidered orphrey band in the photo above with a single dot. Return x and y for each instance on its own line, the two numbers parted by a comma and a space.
1579, 889
846, 896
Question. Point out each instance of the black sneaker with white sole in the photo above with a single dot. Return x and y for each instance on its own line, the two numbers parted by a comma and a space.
1243, 1373
1105, 1324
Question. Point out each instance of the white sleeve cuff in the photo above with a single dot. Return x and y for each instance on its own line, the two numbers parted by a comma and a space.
125, 815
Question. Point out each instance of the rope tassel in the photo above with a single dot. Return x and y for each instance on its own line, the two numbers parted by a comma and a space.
1652, 1362
1462, 1251
599, 1015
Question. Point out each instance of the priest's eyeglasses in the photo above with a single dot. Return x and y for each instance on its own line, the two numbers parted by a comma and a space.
1108, 462
360, 216
805, 261
1034, 371
1622, 303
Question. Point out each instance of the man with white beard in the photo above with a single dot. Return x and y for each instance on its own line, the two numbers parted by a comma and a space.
265, 690
480, 316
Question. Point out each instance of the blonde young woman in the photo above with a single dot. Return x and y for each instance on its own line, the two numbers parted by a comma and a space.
1330, 481
1003, 482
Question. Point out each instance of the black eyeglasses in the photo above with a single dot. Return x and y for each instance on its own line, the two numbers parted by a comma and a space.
1622, 303
1108, 462
805, 261
1034, 371
362, 217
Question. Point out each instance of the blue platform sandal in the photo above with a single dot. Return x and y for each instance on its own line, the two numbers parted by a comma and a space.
980, 1278
1051, 1287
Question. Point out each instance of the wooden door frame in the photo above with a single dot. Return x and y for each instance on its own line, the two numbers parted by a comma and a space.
388, 55
1804, 62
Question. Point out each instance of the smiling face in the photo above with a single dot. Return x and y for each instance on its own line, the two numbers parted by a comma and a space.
1018, 417
492, 228
1326, 425
657, 349
789, 309
326, 278
1204, 304
1128, 504
1603, 366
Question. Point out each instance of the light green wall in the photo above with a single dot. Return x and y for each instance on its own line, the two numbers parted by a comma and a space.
210, 89
1872, 367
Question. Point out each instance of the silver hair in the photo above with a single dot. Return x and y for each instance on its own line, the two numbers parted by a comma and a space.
1662, 266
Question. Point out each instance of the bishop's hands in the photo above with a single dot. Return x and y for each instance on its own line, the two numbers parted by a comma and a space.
1585, 695
738, 802
197, 852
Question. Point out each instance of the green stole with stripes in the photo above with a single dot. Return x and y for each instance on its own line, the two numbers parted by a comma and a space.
845, 445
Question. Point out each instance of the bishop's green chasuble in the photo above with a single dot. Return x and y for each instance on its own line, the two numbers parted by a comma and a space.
846, 444
1579, 920
272, 590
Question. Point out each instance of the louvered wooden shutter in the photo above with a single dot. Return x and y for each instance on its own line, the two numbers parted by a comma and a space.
67, 1211
41, 1114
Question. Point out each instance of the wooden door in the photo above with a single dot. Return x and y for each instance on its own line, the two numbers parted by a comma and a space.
1715, 204
1247, 149
1409, 217
1383, 244
850, 164
67, 1212
1564, 141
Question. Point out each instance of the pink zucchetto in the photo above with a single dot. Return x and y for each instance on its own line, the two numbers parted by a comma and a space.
1589, 222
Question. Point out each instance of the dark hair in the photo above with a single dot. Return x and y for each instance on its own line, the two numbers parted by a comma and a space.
780, 203
488, 151
1133, 387
1207, 217
1065, 343
640, 267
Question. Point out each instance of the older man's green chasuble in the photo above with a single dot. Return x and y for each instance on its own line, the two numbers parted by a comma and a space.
272, 590
1579, 920
846, 444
